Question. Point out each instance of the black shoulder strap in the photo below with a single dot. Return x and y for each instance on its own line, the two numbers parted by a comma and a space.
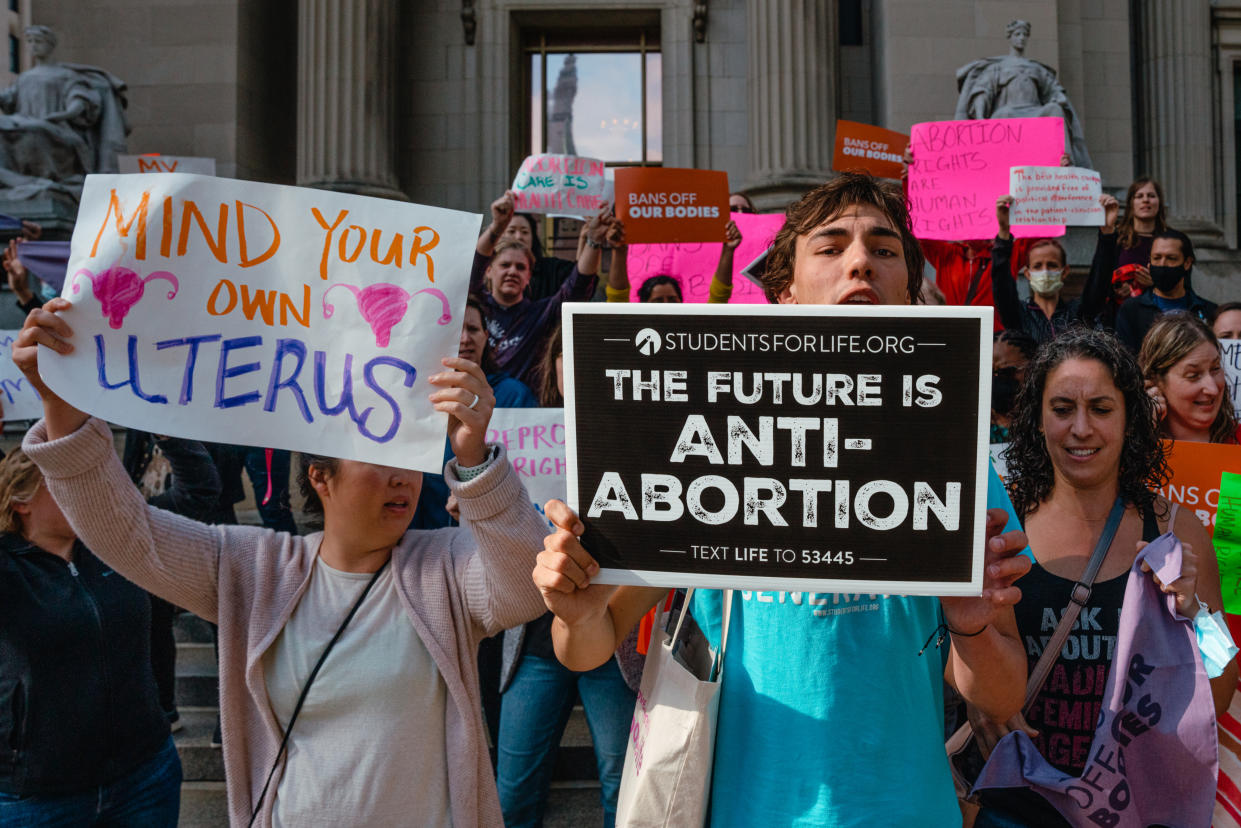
1077, 601
1150, 525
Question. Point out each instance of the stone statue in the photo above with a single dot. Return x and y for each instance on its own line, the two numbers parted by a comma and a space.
60, 122
1013, 86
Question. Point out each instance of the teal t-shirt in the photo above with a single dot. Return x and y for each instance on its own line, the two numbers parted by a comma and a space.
828, 715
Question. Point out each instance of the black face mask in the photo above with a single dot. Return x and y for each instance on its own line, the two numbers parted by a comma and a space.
1167, 277
1004, 387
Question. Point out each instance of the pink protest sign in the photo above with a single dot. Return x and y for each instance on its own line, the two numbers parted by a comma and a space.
961, 167
693, 264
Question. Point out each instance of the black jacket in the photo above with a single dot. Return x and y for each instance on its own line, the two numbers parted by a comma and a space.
1137, 315
1029, 317
78, 704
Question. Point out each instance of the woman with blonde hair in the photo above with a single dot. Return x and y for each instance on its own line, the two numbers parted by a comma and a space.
80, 718
1180, 361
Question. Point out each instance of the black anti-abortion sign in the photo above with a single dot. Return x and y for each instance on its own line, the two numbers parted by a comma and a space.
839, 449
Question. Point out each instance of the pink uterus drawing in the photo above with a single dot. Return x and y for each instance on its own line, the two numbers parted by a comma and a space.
118, 289
383, 306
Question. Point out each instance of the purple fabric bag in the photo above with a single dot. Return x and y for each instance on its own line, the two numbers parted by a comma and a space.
46, 259
1154, 757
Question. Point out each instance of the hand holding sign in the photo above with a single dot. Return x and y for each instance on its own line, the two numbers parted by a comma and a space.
1004, 565
564, 568
45, 326
466, 397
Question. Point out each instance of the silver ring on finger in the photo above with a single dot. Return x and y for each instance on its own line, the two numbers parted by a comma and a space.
474, 403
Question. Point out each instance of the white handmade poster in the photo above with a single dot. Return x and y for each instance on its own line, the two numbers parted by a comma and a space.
264, 315
561, 185
534, 439
1230, 357
1056, 195
19, 400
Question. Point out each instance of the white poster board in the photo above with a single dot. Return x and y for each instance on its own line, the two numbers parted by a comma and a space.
272, 316
156, 163
19, 399
1055, 195
534, 439
1230, 358
561, 185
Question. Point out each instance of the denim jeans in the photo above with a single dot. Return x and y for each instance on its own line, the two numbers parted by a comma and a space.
149, 797
533, 713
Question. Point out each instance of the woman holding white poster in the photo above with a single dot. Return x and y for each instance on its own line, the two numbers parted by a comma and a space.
348, 683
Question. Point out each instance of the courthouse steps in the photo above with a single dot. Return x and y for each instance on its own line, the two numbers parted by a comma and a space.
574, 799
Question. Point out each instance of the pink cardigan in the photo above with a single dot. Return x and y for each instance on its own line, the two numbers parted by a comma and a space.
458, 586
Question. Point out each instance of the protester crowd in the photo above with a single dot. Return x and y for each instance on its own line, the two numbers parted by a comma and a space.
442, 643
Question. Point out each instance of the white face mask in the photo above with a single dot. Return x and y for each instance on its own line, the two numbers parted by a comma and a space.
1046, 282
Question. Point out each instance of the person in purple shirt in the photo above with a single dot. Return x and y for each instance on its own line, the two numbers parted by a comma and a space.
518, 326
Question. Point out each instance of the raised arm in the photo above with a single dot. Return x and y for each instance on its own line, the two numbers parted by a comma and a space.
721, 289
501, 214
591, 619
1099, 282
1003, 287
618, 289
171, 556
195, 487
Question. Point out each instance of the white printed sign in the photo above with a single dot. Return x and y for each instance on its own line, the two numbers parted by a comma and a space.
18, 399
264, 315
534, 439
156, 163
1230, 357
1055, 195
561, 185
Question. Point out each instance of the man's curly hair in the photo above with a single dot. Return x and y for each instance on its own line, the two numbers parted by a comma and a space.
1143, 464
825, 203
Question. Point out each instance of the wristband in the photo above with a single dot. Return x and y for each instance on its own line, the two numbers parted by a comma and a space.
597, 245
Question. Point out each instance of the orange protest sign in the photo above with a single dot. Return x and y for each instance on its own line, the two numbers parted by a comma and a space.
660, 205
1196, 471
871, 148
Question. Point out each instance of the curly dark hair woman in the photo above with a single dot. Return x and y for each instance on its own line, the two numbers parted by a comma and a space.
1085, 445
1143, 465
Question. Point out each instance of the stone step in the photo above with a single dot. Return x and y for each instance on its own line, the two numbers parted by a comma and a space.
196, 658
197, 690
199, 761
203, 805
190, 628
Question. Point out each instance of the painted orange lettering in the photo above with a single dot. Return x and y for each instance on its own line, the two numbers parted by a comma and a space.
287, 308
342, 248
394, 250
327, 240
420, 246
215, 294
218, 245
122, 229
263, 301
246, 261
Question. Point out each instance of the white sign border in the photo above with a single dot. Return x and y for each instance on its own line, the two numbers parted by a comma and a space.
638, 577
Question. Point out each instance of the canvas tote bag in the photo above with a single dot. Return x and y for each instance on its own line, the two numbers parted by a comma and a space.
667, 777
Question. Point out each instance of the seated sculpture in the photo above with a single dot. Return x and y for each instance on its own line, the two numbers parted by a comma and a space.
1014, 86
58, 123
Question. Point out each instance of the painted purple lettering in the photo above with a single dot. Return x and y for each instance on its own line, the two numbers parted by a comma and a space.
132, 382
368, 373
346, 387
226, 371
191, 359
298, 349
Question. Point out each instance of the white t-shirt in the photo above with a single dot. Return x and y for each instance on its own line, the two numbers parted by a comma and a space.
368, 747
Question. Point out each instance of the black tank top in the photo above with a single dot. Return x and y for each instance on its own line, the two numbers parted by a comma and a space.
1066, 710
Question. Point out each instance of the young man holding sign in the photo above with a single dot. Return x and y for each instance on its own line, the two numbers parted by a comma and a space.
825, 699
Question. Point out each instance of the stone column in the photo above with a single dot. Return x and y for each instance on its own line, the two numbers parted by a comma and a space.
346, 119
1176, 105
794, 61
